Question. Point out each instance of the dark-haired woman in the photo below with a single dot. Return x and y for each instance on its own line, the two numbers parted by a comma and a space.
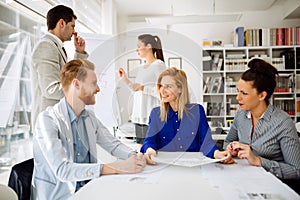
261, 133
145, 96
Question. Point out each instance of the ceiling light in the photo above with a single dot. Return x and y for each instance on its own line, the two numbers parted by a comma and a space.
193, 19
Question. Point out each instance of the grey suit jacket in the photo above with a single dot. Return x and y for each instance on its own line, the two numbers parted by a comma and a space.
55, 173
47, 60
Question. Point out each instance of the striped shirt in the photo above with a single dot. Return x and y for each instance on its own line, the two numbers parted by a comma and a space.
274, 139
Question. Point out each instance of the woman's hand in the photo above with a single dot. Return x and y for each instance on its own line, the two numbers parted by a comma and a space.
137, 87
149, 153
223, 154
244, 151
231, 149
121, 72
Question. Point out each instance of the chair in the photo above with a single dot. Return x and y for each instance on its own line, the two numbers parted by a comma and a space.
20, 179
293, 183
6, 193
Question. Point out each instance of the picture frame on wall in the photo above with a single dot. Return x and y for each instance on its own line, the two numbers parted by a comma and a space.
175, 62
132, 67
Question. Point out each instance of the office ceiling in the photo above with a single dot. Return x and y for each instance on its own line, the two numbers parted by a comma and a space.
181, 7
142, 8
137, 10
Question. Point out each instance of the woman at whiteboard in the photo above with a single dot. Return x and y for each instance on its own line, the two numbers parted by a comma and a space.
178, 125
145, 96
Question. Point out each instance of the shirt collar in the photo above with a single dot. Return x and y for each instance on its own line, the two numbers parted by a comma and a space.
56, 38
171, 112
72, 115
266, 115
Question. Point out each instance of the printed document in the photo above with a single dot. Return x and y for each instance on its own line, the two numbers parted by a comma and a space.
186, 159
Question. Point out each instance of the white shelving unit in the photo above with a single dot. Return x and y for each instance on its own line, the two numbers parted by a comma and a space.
227, 64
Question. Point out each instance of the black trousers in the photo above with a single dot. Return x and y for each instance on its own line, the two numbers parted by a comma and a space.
140, 132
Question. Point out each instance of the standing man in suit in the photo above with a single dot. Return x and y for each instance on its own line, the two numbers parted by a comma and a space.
49, 57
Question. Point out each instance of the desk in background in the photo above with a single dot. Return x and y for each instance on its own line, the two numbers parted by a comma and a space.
212, 181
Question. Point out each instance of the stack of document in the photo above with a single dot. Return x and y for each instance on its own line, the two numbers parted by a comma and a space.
187, 159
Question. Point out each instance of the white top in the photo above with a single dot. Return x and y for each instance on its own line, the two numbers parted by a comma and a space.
144, 101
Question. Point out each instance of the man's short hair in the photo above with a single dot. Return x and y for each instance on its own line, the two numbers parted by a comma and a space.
59, 12
76, 68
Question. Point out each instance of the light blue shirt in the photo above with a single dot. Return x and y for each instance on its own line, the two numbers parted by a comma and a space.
81, 145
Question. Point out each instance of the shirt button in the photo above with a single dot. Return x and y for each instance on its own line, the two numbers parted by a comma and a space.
164, 137
89, 174
179, 138
193, 133
176, 121
180, 147
78, 154
177, 129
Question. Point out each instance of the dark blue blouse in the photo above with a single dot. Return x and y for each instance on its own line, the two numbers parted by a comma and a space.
191, 134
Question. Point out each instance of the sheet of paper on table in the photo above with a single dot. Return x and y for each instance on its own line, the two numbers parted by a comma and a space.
186, 159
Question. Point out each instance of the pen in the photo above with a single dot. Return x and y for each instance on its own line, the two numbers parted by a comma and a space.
236, 149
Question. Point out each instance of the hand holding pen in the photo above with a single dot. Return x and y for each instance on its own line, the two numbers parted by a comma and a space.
233, 148
244, 151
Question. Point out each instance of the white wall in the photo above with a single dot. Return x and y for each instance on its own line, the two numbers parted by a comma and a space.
185, 40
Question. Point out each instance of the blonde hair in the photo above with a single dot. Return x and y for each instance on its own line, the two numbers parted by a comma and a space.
180, 79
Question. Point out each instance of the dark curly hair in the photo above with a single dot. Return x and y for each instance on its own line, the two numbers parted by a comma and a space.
263, 75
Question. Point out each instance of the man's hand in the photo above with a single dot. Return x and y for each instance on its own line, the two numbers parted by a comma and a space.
134, 164
79, 43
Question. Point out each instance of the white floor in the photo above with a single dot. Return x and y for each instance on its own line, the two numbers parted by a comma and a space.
19, 151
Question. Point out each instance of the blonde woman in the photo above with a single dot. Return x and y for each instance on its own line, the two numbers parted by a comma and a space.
177, 125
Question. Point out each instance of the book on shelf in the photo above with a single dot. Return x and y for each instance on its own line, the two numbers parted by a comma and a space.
285, 103
297, 58
238, 37
298, 105
207, 60
277, 36
215, 108
285, 83
213, 84
220, 64
207, 84
216, 84
289, 58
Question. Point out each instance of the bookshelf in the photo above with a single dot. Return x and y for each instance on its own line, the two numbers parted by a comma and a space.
222, 67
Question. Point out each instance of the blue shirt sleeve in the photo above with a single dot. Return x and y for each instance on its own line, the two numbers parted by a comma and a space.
207, 144
152, 132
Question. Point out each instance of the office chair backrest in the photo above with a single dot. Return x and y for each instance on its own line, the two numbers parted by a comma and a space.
6, 193
20, 179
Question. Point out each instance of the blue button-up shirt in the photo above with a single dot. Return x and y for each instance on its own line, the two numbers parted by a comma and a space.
80, 139
191, 133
